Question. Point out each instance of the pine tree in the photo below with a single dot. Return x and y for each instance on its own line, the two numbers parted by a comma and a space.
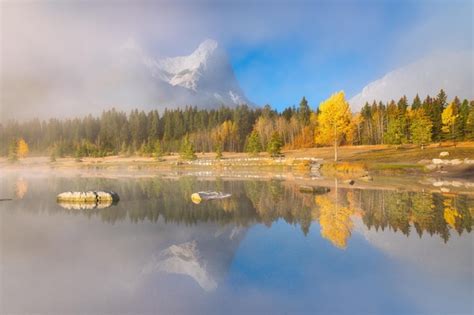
304, 112
416, 102
395, 132
469, 129
13, 151
124, 149
78, 154
420, 128
187, 149
437, 107
462, 121
218, 150
403, 118
275, 145
253, 146
52, 156
157, 150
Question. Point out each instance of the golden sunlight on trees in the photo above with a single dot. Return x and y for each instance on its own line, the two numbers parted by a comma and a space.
22, 148
333, 121
230, 129
450, 213
449, 117
335, 221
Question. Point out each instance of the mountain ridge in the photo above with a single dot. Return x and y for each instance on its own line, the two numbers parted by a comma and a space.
124, 77
206, 73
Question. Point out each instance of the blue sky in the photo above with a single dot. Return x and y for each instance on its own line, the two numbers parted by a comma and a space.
344, 46
280, 50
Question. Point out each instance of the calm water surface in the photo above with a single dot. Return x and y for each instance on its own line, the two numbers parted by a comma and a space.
269, 249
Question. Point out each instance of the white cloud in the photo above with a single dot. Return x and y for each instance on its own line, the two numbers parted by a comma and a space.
452, 72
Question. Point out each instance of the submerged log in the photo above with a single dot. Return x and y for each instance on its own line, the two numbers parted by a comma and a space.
208, 195
314, 189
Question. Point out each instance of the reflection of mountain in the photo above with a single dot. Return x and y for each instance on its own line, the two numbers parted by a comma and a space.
72, 264
206, 259
182, 259
158, 253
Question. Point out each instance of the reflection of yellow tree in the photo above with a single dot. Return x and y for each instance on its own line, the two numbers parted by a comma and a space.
335, 221
450, 213
21, 187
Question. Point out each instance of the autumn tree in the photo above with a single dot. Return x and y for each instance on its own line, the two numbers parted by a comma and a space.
420, 127
22, 148
333, 120
449, 118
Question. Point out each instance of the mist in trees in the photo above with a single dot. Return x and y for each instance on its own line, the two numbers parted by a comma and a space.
245, 128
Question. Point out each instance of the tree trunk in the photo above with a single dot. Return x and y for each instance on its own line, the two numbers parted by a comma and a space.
335, 143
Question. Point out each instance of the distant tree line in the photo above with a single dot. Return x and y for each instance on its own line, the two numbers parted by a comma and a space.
244, 128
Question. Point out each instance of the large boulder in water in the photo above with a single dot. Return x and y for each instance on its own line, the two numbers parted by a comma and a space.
88, 196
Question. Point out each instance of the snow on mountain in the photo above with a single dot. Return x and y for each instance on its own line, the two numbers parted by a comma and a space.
125, 77
452, 72
182, 259
205, 77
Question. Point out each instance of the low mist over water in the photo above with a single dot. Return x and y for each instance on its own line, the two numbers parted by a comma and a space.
267, 249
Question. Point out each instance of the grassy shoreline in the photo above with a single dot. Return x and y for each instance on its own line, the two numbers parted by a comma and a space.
353, 160
404, 168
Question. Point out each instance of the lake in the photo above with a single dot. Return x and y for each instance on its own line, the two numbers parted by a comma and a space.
268, 249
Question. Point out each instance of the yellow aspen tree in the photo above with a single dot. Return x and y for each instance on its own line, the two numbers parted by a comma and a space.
22, 148
448, 117
333, 120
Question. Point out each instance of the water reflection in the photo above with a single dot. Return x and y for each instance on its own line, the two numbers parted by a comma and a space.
183, 259
21, 188
265, 202
156, 252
